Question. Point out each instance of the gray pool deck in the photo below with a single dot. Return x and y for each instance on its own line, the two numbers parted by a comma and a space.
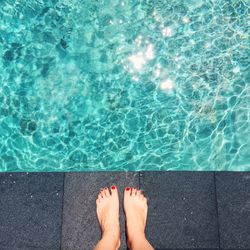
187, 210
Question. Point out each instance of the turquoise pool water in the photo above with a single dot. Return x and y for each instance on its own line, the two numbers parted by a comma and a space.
124, 85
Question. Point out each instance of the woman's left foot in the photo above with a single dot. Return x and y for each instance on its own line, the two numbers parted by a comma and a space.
107, 208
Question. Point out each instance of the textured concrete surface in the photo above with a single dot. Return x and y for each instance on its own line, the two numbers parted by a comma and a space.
182, 212
80, 226
30, 211
186, 209
233, 195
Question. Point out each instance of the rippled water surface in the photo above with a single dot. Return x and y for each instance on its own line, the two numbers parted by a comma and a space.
124, 85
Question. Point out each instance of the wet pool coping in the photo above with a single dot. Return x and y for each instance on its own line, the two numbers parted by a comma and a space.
187, 210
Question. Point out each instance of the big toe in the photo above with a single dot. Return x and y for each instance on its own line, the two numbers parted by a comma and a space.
114, 191
127, 192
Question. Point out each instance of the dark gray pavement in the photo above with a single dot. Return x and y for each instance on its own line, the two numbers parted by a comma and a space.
187, 210
233, 196
30, 210
181, 207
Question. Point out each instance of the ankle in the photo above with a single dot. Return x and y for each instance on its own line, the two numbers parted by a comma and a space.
112, 231
135, 239
112, 238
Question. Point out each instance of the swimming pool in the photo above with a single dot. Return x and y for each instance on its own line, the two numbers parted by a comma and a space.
124, 85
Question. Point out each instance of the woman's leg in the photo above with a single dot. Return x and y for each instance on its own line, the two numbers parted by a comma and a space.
107, 208
136, 208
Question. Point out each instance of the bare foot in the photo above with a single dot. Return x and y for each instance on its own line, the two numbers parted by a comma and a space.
107, 208
136, 208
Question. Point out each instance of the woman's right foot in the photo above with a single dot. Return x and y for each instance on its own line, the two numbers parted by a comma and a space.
136, 208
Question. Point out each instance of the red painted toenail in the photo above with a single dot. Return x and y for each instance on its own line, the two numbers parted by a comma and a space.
113, 187
127, 188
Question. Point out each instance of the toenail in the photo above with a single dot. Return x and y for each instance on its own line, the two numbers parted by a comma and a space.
127, 188
113, 187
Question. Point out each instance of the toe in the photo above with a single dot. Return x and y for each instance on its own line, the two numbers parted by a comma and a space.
113, 190
134, 191
127, 192
103, 193
138, 191
139, 194
106, 191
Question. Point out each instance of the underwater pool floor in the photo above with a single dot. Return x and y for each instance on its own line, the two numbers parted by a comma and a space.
124, 85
